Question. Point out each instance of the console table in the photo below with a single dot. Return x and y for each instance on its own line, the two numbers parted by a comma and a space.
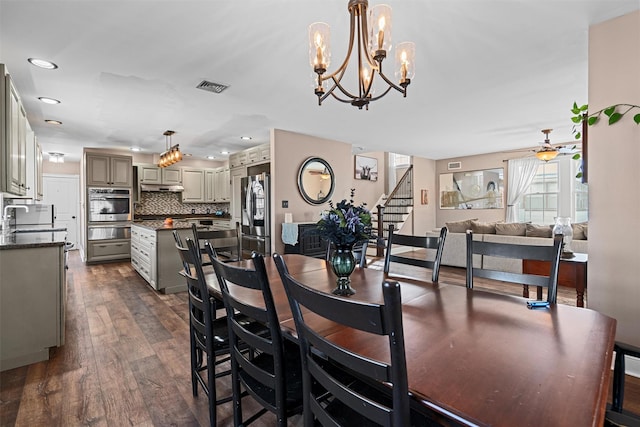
572, 273
309, 244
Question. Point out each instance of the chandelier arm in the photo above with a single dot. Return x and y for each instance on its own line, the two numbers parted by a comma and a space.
346, 101
343, 90
365, 39
346, 58
335, 84
375, 98
390, 83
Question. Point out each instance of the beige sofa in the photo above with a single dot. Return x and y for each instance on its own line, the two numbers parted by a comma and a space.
454, 253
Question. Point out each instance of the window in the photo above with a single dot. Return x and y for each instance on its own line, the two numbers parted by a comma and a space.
555, 192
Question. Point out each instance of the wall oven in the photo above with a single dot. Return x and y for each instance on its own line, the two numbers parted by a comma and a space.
109, 204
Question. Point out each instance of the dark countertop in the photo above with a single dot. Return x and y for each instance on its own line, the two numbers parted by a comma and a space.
160, 225
182, 216
45, 237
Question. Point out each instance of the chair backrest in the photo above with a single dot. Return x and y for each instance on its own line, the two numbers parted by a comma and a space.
200, 305
226, 243
418, 242
379, 319
550, 253
180, 245
359, 252
270, 375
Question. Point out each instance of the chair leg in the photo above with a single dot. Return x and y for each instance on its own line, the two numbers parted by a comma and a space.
618, 382
194, 365
237, 397
211, 381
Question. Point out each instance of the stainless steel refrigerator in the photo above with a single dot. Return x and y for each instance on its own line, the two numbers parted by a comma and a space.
256, 229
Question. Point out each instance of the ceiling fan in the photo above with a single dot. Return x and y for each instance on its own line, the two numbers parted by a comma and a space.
548, 151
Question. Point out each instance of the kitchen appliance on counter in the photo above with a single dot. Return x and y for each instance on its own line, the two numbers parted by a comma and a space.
256, 232
109, 204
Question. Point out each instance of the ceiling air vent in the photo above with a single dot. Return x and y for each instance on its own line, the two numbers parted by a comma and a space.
454, 165
211, 86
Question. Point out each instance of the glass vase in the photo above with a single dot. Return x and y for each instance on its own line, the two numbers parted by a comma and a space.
563, 226
343, 263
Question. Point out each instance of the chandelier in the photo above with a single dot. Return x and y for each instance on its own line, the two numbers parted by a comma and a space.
372, 33
172, 154
547, 152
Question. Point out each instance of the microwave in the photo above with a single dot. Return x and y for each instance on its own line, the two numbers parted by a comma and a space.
109, 204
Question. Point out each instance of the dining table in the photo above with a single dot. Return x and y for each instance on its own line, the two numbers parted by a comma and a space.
474, 357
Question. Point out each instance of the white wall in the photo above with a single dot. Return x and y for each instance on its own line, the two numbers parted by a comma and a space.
614, 186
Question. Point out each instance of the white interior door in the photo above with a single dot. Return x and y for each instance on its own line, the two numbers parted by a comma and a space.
63, 191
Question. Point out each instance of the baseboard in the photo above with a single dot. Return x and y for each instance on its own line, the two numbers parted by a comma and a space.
632, 366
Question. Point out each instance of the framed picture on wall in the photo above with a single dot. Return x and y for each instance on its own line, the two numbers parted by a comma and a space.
366, 168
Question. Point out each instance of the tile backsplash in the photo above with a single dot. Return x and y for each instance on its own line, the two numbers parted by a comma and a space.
158, 203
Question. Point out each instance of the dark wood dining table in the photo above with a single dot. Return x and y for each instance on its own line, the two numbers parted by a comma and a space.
478, 357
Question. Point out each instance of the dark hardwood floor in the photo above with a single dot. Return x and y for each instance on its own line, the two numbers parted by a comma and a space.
126, 358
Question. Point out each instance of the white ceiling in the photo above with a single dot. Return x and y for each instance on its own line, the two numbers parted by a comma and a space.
490, 74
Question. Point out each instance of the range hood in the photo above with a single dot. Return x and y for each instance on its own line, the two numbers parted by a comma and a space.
162, 188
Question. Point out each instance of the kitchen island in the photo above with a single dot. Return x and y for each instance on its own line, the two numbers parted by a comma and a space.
32, 296
153, 251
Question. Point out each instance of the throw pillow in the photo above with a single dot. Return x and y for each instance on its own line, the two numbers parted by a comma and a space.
459, 226
579, 231
483, 227
534, 230
511, 228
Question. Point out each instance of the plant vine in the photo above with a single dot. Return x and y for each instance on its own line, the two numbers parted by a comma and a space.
581, 115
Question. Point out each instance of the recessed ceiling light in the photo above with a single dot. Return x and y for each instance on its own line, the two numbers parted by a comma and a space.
48, 100
245, 138
135, 149
224, 152
211, 157
42, 63
53, 122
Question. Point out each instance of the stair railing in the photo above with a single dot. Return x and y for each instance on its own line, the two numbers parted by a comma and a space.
403, 190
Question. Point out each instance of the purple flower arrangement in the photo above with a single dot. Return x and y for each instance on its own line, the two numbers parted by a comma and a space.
345, 224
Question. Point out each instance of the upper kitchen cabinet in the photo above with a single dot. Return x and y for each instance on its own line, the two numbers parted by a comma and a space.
13, 138
193, 180
152, 174
105, 170
255, 155
222, 184
33, 167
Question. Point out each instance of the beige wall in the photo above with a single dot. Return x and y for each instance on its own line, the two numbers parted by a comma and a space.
470, 163
424, 216
66, 168
288, 151
614, 193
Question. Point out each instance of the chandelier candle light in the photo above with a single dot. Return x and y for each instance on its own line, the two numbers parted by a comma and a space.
172, 154
372, 32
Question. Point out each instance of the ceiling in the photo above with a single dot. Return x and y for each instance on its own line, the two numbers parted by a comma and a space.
490, 74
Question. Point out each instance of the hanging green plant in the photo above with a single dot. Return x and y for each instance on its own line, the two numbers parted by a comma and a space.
582, 117
614, 113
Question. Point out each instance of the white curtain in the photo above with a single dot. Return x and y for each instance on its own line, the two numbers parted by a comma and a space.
521, 174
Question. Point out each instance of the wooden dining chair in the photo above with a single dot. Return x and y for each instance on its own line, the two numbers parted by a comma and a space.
415, 242
374, 391
273, 377
359, 252
550, 253
616, 415
227, 243
208, 334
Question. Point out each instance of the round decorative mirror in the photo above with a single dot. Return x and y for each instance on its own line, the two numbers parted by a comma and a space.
316, 181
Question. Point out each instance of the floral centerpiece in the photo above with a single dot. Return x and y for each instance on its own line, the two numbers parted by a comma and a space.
344, 225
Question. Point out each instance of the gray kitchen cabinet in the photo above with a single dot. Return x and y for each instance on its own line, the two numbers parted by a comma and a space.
32, 304
107, 250
104, 170
255, 155
154, 257
222, 184
193, 181
152, 174
13, 137
210, 185
236, 192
